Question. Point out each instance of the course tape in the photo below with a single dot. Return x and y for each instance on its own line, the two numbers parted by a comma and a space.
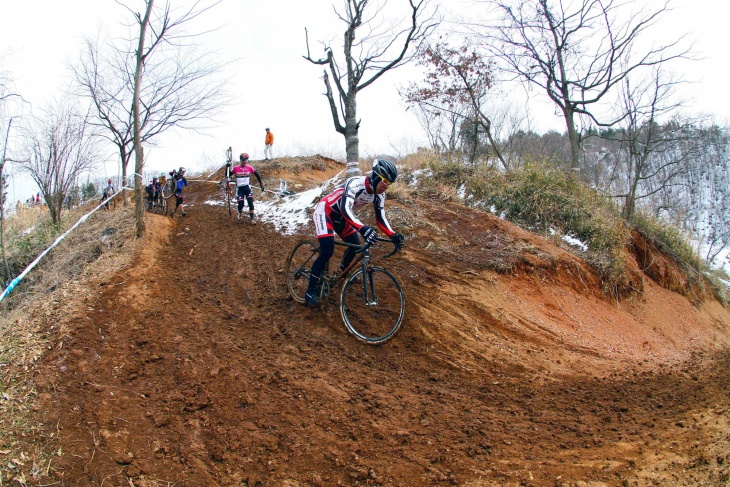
20, 277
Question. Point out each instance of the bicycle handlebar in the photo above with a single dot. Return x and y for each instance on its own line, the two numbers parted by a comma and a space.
359, 248
395, 247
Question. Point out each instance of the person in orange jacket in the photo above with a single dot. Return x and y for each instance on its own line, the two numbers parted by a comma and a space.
268, 143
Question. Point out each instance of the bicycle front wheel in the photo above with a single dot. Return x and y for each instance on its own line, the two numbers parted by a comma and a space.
372, 305
299, 268
168, 188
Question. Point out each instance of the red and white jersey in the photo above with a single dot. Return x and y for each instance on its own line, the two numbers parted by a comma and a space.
243, 173
352, 194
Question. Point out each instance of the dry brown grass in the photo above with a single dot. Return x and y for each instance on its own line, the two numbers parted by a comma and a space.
29, 322
440, 192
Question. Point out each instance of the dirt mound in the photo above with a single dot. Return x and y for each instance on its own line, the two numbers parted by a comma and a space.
194, 367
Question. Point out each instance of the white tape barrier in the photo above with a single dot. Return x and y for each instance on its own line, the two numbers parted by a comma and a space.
17, 280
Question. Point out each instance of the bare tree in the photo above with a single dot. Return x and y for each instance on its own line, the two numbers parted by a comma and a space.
6, 122
137, 139
442, 127
59, 146
458, 78
3, 194
176, 82
365, 60
577, 52
651, 155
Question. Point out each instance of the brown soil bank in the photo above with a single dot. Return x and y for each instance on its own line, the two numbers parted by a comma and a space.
195, 368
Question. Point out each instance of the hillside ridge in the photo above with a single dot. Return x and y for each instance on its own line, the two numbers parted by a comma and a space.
195, 367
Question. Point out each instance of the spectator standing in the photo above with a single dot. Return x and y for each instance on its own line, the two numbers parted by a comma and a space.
268, 144
107, 193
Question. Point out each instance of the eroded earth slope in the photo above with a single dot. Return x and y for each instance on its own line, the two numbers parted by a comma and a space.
195, 368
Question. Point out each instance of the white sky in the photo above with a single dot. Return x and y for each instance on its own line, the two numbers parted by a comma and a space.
275, 87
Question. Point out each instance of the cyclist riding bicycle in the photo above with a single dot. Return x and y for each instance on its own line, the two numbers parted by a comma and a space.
334, 214
180, 182
243, 173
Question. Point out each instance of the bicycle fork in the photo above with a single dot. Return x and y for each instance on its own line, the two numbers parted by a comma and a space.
368, 285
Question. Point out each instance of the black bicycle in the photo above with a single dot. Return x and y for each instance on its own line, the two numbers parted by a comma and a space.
372, 302
159, 205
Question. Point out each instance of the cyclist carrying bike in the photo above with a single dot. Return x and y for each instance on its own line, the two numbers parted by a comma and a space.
334, 214
180, 182
243, 173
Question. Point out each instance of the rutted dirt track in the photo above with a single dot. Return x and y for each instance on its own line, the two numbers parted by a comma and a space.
195, 368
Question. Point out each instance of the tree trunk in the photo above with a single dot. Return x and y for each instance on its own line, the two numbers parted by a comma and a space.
574, 139
138, 196
635, 165
124, 182
138, 153
55, 216
352, 141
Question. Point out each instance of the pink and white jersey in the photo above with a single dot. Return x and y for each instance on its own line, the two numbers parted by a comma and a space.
243, 173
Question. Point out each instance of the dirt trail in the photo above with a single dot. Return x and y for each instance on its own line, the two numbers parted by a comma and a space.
195, 368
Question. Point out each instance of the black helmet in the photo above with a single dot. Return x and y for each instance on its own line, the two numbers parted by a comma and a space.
243, 157
384, 169
181, 170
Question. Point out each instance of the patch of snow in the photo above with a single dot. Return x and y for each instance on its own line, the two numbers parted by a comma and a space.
570, 240
287, 213
215, 202
417, 174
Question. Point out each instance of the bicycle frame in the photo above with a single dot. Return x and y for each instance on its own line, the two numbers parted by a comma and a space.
362, 258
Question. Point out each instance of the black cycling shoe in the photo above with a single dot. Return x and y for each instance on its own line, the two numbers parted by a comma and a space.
311, 298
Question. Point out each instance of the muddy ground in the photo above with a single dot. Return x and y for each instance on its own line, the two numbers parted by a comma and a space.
194, 367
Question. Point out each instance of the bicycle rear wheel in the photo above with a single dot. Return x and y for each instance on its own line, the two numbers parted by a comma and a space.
372, 310
299, 268
168, 188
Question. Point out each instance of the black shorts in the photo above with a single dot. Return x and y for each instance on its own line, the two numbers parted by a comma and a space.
244, 192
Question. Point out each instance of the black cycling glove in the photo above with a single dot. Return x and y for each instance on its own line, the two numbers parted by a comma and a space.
368, 233
398, 239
